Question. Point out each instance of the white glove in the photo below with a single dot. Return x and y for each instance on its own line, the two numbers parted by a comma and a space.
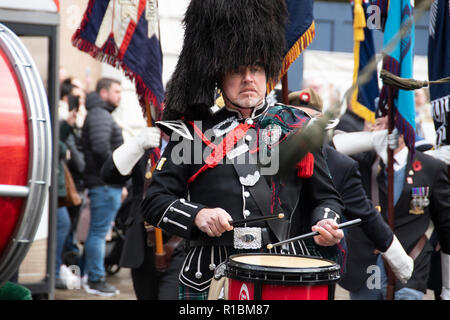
128, 154
379, 142
353, 142
401, 264
149, 138
445, 265
442, 153
350, 143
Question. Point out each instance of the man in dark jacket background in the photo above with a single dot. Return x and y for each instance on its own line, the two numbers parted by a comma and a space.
101, 135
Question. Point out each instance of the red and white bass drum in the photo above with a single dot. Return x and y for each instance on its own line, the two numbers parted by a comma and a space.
25, 151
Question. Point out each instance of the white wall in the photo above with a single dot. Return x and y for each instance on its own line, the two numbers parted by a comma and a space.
333, 71
171, 13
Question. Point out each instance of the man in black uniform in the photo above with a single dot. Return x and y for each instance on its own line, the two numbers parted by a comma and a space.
421, 195
347, 179
212, 169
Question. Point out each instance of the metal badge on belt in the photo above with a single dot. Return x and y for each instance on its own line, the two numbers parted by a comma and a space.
419, 200
247, 238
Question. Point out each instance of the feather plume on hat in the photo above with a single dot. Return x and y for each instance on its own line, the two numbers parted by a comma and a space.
220, 36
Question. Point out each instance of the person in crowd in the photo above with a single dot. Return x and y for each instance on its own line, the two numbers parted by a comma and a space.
100, 136
425, 130
62, 219
76, 165
133, 159
67, 111
350, 121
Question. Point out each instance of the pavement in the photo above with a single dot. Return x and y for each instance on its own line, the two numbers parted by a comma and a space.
122, 281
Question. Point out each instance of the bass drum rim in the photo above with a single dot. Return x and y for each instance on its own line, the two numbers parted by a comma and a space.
40, 154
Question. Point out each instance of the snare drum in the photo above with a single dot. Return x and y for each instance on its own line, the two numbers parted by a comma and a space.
25, 151
280, 277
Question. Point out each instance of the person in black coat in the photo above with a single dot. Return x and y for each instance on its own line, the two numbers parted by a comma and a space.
421, 195
350, 121
348, 181
100, 136
132, 160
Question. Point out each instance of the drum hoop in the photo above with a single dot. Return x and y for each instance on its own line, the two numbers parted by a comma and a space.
282, 275
40, 152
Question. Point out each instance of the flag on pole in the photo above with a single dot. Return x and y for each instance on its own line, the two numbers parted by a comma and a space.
363, 97
125, 34
439, 66
399, 61
300, 32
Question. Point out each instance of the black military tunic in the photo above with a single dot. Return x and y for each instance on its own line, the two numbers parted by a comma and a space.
426, 180
211, 164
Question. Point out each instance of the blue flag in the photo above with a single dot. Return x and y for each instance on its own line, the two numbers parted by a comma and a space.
399, 61
363, 98
300, 31
126, 35
439, 66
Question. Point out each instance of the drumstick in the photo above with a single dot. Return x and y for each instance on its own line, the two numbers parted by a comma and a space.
263, 218
312, 234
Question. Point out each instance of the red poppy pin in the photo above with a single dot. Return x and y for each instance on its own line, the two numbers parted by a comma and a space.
304, 97
417, 165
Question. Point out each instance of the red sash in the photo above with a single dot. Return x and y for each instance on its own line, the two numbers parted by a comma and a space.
220, 151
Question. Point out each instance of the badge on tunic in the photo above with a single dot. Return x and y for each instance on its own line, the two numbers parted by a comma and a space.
271, 134
225, 126
250, 180
243, 148
161, 163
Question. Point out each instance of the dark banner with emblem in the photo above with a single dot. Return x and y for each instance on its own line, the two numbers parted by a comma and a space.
439, 66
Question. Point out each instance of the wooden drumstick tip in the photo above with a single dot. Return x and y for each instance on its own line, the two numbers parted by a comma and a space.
280, 215
269, 246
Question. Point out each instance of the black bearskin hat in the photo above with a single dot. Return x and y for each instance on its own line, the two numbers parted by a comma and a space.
221, 35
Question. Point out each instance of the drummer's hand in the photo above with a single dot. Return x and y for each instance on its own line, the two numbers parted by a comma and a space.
213, 222
330, 234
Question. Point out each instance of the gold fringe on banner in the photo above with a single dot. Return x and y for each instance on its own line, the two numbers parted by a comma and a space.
294, 52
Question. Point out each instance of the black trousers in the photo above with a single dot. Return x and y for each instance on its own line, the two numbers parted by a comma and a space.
150, 284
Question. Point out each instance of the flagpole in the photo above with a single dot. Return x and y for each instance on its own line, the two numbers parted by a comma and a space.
284, 88
159, 248
390, 172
